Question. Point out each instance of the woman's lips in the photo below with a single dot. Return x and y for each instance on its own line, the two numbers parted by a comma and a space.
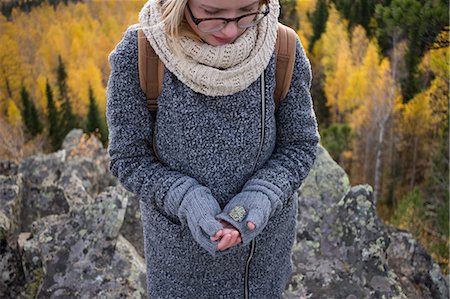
223, 40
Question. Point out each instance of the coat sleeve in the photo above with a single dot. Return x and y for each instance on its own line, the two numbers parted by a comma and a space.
130, 138
272, 185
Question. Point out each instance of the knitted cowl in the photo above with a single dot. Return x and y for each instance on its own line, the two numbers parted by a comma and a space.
214, 70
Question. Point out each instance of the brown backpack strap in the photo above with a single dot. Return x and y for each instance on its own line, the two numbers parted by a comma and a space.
285, 50
151, 71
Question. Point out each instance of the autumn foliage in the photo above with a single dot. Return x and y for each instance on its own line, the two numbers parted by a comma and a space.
35, 44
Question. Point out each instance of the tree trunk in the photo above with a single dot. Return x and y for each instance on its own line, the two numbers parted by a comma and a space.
366, 158
377, 179
414, 162
8, 88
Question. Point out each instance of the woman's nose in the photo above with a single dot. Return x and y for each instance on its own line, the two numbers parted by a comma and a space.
231, 29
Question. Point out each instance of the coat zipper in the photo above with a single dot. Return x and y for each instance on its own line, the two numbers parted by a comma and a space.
263, 117
247, 266
253, 242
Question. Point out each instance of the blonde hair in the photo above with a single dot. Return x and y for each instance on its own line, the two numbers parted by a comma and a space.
172, 15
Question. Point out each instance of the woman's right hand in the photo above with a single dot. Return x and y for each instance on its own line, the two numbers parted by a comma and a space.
229, 236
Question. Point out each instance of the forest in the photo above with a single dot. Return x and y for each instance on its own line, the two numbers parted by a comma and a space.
380, 90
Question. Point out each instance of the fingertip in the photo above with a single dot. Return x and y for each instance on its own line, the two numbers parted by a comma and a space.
250, 225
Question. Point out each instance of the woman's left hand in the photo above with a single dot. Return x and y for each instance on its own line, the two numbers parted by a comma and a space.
229, 236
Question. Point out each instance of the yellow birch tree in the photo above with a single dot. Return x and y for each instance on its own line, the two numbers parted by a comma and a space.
334, 50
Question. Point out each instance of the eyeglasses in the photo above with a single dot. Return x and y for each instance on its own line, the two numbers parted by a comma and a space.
208, 25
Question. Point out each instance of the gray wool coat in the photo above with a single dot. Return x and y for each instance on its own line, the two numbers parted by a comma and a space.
211, 162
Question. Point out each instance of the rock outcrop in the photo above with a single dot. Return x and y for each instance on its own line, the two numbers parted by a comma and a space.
60, 221
69, 230
344, 251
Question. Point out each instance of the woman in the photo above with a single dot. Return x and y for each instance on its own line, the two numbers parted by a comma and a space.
217, 208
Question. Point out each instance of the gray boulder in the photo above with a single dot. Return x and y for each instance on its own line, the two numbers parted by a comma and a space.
82, 254
418, 274
343, 250
11, 275
69, 222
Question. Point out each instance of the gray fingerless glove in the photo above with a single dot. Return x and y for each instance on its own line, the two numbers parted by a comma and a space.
247, 206
198, 209
257, 202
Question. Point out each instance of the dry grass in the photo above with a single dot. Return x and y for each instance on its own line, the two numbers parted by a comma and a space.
14, 144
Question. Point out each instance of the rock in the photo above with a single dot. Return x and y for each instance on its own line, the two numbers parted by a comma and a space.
5, 226
11, 275
326, 183
130, 264
418, 274
132, 225
78, 144
343, 249
78, 251
56, 182
11, 200
43, 170
8, 168
31, 264
343, 253
40, 202
81, 148
74, 190
63, 198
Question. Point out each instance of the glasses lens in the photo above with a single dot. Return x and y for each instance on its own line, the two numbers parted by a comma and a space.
250, 20
211, 25
254, 19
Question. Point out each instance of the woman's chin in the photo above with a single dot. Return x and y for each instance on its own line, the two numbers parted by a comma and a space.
214, 41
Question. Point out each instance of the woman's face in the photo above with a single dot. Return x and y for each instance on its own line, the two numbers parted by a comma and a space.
220, 9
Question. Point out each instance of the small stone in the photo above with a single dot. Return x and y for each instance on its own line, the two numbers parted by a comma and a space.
237, 213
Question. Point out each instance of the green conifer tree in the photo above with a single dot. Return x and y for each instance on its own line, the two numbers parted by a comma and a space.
419, 22
288, 13
36, 124
94, 123
24, 96
336, 139
7, 6
29, 113
68, 120
318, 20
52, 118
358, 12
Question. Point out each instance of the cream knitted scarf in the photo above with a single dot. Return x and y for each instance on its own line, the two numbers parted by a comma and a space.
214, 70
